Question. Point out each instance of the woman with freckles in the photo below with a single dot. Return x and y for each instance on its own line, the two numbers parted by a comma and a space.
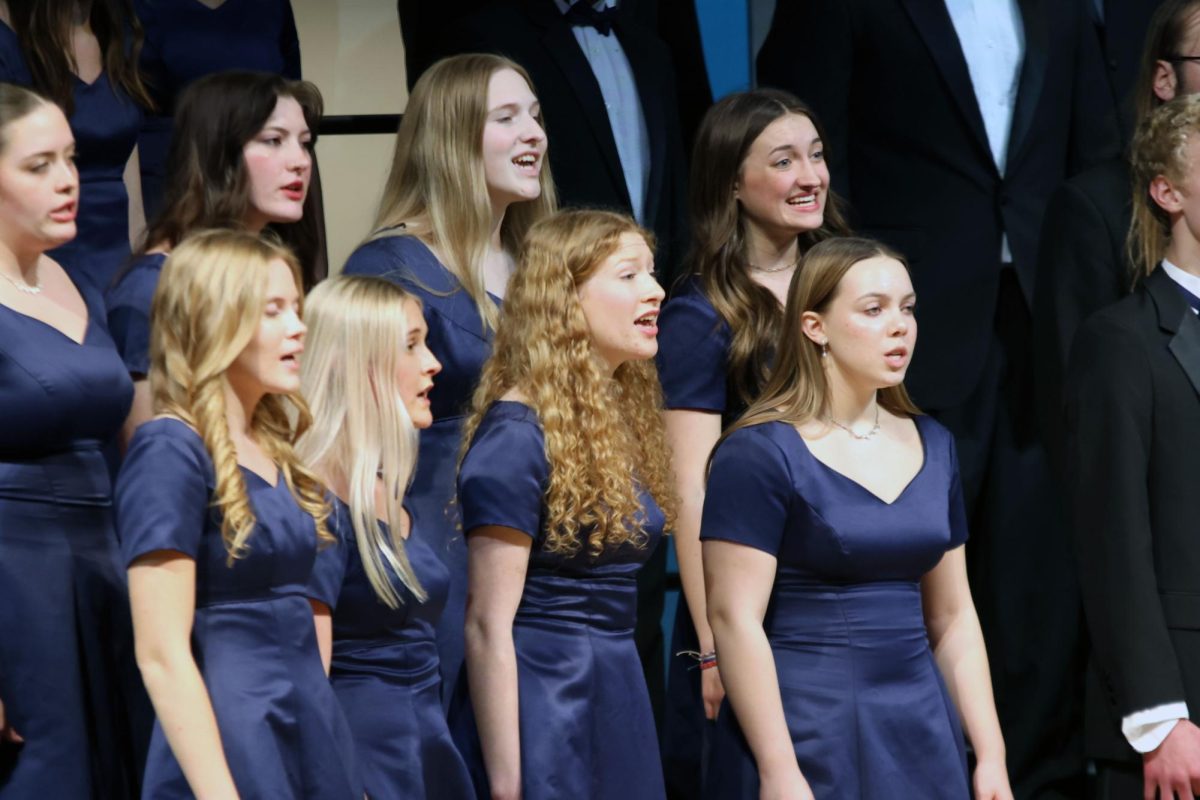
565, 493
760, 198
220, 524
833, 534
68, 684
241, 159
468, 179
367, 373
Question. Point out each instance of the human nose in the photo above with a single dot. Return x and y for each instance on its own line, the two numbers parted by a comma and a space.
431, 366
533, 132
654, 291
295, 326
67, 176
299, 157
807, 174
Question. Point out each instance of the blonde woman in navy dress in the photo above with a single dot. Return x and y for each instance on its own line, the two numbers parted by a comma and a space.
469, 176
565, 493
367, 375
65, 644
833, 534
220, 524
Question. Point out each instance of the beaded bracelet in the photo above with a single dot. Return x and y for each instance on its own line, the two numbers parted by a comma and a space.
704, 660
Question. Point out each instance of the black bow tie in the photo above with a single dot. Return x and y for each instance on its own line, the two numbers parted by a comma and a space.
583, 14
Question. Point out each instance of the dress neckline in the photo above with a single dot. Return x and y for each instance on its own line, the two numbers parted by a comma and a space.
87, 324
843, 476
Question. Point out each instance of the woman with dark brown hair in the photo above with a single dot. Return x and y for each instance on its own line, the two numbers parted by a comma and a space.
241, 158
760, 198
82, 54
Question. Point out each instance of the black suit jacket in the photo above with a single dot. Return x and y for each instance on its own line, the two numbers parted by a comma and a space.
1082, 267
583, 152
909, 150
1133, 457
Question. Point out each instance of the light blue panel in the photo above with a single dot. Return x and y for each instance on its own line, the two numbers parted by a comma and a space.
725, 33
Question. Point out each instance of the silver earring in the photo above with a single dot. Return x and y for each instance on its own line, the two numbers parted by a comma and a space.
824, 348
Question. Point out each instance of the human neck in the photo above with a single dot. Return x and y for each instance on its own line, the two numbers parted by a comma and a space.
1183, 250
768, 254
852, 406
495, 242
20, 263
240, 403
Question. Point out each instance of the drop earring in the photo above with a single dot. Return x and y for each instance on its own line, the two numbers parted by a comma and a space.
825, 348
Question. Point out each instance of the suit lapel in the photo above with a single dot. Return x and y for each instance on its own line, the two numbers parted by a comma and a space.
1175, 317
933, 23
1033, 74
637, 49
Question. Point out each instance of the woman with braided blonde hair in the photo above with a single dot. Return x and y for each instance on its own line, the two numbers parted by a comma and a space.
220, 524
564, 492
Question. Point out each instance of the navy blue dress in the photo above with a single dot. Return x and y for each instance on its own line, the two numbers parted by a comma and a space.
865, 703
586, 727
67, 675
186, 40
458, 338
693, 365
105, 123
128, 305
385, 671
282, 729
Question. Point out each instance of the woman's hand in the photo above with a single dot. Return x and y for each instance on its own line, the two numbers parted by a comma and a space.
991, 781
7, 733
788, 786
712, 691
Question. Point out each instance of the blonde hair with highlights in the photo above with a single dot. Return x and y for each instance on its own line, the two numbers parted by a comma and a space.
599, 431
1159, 148
437, 188
361, 431
207, 308
798, 390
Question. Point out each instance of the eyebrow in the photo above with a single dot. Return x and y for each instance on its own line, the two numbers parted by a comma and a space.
285, 131
882, 296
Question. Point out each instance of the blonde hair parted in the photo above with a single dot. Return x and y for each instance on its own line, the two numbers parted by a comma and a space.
798, 390
437, 188
599, 431
1159, 148
207, 307
361, 431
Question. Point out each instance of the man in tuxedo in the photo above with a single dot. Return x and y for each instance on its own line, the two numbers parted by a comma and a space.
949, 124
1132, 457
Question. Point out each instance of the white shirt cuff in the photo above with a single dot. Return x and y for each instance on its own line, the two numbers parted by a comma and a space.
1146, 729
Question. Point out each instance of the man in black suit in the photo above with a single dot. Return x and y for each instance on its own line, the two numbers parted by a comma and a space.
949, 125
1132, 458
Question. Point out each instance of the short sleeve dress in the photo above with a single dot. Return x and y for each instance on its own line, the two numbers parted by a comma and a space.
282, 729
866, 705
68, 679
385, 670
128, 304
461, 341
105, 123
586, 726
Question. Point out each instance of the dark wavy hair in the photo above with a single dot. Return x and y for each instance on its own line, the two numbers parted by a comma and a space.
206, 182
43, 29
718, 252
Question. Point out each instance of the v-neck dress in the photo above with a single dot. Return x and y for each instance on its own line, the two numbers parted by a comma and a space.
186, 40
282, 729
68, 679
866, 706
459, 339
105, 123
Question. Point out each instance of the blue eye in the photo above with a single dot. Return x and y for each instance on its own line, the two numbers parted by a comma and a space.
783, 163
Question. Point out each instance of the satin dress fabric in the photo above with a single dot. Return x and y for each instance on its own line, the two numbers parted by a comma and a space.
385, 669
186, 40
253, 638
586, 726
128, 304
461, 342
105, 122
693, 356
865, 703
68, 679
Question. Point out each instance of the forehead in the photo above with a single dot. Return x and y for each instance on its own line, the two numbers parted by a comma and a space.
876, 275
44, 129
506, 86
288, 113
280, 280
630, 245
795, 130
413, 317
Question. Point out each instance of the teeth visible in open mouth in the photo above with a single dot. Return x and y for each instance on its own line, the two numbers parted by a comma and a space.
647, 319
525, 161
807, 200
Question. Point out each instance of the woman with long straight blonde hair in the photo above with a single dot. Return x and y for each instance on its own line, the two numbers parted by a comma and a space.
367, 374
468, 179
565, 493
220, 524
833, 532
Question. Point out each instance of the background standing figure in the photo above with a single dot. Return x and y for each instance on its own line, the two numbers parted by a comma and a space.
69, 700
367, 375
83, 54
837, 588
468, 179
760, 198
565, 493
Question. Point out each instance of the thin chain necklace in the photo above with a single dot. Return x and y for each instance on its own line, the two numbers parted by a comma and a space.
22, 286
770, 270
860, 436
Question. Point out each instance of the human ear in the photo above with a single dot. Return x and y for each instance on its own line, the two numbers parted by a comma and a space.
1164, 83
1164, 195
813, 327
